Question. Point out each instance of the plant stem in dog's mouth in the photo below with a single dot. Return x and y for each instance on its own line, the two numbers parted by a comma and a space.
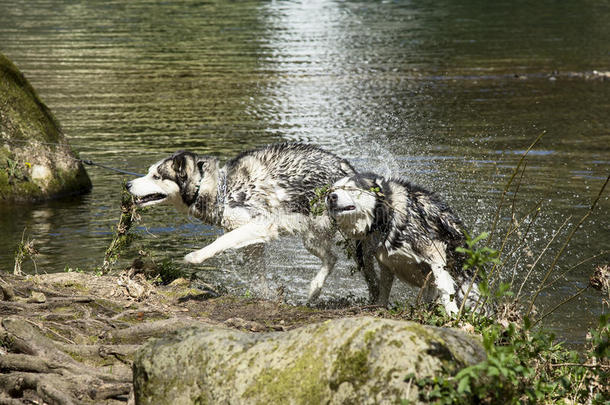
122, 238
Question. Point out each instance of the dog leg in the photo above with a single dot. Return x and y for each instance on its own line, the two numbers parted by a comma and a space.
386, 278
251, 233
321, 247
365, 262
446, 288
445, 285
444, 282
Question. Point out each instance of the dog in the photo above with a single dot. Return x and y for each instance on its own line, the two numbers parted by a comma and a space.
412, 232
255, 196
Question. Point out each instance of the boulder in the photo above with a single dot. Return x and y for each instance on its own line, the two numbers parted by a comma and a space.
36, 162
360, 360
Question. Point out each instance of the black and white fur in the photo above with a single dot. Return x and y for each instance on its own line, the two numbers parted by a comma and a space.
412, 233
255, 196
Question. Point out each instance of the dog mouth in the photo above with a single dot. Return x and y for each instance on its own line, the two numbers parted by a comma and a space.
150, 199
347, 208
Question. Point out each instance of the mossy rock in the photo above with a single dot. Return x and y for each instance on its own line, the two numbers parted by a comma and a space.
349, 360
36, 161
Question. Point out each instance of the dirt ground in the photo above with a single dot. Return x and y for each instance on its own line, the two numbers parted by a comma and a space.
70, 337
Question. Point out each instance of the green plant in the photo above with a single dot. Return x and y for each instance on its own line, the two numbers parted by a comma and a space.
317, 205
12, 168
524, 365
123, 237
168, 272
25, 248
476, 259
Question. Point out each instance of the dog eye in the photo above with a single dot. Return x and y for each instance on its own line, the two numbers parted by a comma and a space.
156, 177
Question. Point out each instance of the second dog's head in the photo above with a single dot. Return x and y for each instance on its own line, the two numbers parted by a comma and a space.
179, 180
352, 203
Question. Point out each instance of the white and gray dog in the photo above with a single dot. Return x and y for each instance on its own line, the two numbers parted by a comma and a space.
413, 234
256, 196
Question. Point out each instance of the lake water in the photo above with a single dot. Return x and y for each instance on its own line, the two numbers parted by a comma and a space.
447, 95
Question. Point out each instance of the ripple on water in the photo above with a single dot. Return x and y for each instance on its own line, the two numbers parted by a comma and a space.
436, 93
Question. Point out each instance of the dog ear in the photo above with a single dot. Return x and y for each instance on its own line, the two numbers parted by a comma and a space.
200, 164
179, 163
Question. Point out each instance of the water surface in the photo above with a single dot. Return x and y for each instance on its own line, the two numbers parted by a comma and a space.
447, 95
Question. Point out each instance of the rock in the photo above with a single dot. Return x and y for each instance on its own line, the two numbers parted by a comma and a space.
351, 360
135, 286
37, 298
8, 293
36, 162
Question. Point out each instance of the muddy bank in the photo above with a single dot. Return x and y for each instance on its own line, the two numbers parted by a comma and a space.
71, 337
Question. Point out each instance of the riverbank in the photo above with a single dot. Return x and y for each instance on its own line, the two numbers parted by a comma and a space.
71, 337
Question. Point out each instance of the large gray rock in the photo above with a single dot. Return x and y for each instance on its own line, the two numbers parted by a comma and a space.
352, 360
36, 162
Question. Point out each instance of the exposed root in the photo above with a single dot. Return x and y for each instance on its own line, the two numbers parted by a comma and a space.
69, 338
66, 347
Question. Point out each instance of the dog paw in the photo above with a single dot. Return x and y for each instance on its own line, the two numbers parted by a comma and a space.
194, 258
451, 308
314, 293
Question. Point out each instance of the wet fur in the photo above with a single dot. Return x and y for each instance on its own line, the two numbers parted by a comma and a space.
256, 197
413, 233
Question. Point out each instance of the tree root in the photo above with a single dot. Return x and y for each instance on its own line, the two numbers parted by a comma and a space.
48, 388
143, 331
65, 347
70, 338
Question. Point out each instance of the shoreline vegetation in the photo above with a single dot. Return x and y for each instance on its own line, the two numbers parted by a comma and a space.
73, 337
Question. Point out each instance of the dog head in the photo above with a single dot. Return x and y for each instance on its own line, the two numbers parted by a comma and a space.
178, 180
352, 202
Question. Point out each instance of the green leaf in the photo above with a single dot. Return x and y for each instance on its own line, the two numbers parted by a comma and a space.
464, 385
493, 371
527, 322
479, 238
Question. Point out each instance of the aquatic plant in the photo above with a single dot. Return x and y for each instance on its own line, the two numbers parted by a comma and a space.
130, 214
25, 249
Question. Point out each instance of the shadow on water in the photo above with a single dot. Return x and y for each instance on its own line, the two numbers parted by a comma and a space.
446, 94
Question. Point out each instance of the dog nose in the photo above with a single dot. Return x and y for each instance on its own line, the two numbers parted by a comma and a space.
332, 199
128, 185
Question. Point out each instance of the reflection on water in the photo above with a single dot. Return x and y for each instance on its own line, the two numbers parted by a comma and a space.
446, 94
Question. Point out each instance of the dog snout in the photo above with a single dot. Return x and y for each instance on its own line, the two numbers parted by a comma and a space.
332, 199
